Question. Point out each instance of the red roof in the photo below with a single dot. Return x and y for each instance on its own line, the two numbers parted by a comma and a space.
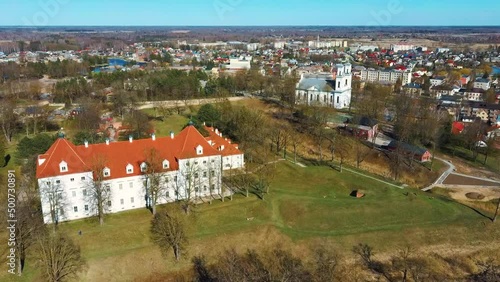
457, 127
118, 155
61, 150
218, 141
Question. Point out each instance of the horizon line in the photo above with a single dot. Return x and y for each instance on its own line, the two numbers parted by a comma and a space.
312, 25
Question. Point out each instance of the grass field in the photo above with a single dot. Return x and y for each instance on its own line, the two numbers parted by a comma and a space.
174, 122
304, 206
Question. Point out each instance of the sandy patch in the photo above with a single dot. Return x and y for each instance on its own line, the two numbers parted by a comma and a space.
488, 193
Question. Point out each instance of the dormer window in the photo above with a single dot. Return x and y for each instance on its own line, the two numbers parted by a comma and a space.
106, 172
166, 164
63, 166
199, 150
130, 169
144, 167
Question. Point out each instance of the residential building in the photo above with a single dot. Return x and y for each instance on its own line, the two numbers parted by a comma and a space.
402, 47
417, 153
482, 83
326, 89
412, 89
386, 76
464, 80
279, 44
438, 80
191, 167
476, 94
239, 63
252, 46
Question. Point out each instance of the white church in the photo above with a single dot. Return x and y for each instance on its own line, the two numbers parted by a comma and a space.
326, 89
66, 173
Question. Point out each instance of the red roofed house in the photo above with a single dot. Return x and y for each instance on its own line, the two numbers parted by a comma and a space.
457, 127
192, 167
232, 157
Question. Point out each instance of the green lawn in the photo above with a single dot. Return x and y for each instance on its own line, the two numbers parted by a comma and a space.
304, 205
174, 122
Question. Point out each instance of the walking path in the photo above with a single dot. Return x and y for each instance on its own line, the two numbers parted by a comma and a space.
440, 180
374, 178
360, 174
450, 171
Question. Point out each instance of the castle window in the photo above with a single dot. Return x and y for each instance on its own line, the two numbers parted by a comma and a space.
130, 169
63, 166
166, 164
106, 172
199, 150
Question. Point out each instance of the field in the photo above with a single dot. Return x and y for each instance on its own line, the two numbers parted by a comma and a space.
305, 206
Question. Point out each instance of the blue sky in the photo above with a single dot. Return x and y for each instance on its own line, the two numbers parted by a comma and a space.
249, 12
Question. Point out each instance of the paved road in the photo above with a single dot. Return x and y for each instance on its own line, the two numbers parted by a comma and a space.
440, 180
183, 103
451, 171
168, 103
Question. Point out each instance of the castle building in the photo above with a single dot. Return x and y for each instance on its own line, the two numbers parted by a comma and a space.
188, 166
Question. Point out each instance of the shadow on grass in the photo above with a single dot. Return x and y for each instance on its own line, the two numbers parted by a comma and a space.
477, 211
449, 200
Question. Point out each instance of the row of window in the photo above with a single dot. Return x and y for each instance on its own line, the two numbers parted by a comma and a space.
86, 207
59, 181
130, 168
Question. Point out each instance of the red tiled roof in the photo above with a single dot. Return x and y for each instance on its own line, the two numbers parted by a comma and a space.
218, 141
61, 150
118, 155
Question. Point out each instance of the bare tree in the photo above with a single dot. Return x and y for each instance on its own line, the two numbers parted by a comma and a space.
326, 264
54, 195
8, 119
343, 148
264, 175
402, 263
361, 152
188, 183
154, 178
98, 191
295, 140
168, 231
59, 258
29, 224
